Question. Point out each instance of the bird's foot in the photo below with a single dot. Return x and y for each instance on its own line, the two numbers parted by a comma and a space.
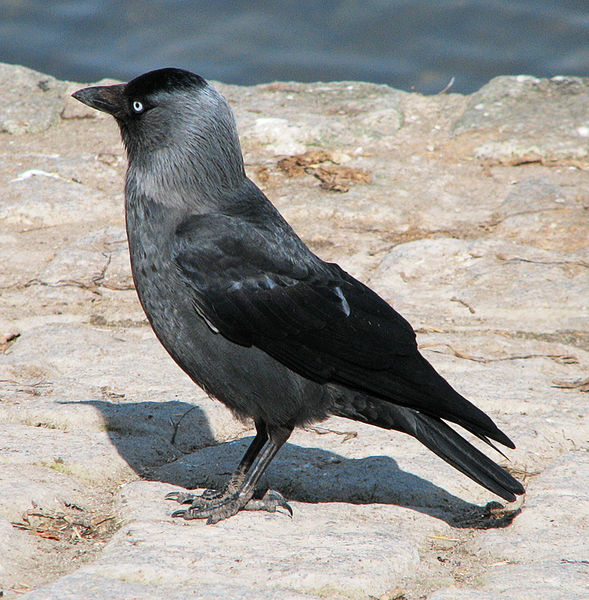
214, 506
205, 498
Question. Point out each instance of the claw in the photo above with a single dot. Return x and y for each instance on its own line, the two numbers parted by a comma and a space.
216, 505
287, 507
212, 505
274, 496
212, 511
270, 502
197, 500
180, 497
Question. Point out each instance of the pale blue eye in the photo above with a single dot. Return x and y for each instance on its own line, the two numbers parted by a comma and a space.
137, 106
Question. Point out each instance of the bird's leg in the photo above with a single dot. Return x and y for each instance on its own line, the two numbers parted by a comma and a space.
236, 479
238, 493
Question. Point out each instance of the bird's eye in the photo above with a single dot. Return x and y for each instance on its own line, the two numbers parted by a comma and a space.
137, 106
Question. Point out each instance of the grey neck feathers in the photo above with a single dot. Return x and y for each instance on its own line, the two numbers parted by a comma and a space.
190, 162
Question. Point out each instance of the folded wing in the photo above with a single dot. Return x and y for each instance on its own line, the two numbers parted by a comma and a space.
312, 316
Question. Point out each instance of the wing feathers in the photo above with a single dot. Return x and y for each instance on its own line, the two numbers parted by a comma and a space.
311, 316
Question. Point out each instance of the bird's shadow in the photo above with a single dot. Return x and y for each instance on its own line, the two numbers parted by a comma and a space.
173, 442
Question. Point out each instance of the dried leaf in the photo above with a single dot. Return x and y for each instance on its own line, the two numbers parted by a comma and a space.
294, 166
333, 177
337, 178
262, 174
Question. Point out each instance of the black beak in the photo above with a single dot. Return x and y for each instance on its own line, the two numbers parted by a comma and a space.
107, 98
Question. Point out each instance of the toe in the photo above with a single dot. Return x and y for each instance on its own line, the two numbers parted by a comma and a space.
212, 494
270, 502
180, 497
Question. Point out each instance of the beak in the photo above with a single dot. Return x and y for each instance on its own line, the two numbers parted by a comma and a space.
107, 98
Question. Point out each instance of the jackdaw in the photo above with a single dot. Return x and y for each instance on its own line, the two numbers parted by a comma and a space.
250, 313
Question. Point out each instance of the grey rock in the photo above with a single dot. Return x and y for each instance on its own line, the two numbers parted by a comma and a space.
535, 557
459, 278
17, 554
32, 101
358, 113
62, 200
543, 215
89, 586
333, 557
98, 259
530, 119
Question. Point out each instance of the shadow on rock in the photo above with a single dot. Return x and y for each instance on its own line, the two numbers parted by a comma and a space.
151, 434
173, 442
314, 475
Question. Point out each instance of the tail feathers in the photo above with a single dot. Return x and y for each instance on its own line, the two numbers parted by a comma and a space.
484, 435
456, 451
439, 437
417, 385
462, 411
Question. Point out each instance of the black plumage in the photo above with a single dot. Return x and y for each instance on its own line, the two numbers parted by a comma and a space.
250, 313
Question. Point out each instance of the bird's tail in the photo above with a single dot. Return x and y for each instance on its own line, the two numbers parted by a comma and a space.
436, 435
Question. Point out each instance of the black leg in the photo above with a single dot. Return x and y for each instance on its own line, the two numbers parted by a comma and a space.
248, 458
217, 505
235, 480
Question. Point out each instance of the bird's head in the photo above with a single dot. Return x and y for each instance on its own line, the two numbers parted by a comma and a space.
170, 118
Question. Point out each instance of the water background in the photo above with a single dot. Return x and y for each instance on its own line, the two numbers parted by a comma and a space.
410, 44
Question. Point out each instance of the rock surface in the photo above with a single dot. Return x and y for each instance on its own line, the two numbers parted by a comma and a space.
469, 214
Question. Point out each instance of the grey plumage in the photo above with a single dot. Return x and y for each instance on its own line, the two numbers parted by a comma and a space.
250, 313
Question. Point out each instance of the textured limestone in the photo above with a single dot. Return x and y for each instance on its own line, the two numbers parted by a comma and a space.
529, 119
31, 101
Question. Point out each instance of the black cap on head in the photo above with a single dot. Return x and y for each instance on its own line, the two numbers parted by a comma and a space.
168, 79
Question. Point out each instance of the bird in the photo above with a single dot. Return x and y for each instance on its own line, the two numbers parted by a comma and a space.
251, 314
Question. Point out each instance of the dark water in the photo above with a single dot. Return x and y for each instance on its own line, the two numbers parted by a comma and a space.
410, 44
